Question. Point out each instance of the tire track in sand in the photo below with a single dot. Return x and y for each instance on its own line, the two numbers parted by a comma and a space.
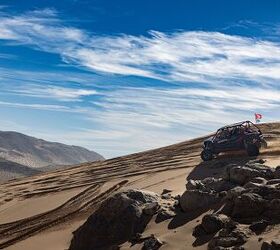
86, 201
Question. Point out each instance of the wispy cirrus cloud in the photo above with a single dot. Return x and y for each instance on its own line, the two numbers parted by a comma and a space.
38, 106
50, 92
186, 56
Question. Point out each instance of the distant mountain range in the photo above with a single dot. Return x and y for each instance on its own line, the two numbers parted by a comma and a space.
23, 155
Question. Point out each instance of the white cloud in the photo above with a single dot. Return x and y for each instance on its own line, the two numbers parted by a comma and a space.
135, 119
52, 92
194, 56
36, 106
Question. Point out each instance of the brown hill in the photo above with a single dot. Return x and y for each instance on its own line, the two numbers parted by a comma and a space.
30, 152
12, 170
43, 210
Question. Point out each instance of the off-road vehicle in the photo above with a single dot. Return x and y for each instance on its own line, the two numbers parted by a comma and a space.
239, 136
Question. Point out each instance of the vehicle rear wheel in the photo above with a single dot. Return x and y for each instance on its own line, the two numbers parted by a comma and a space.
206, 155
252, 150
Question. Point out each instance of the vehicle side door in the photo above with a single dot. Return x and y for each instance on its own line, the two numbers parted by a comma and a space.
235, 140
221, 141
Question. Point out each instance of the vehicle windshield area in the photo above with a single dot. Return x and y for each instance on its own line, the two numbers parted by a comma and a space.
222, 134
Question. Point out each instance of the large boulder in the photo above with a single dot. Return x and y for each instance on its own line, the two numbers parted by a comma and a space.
212, 223
117, 220
248, 205
243, 174
272, 211
197, 199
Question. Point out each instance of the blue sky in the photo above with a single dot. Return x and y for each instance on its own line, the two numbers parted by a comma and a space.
124, 76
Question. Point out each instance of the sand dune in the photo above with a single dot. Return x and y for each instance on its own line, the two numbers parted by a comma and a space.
43, 210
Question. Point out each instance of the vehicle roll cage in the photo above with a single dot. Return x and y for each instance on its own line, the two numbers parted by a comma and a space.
246, 125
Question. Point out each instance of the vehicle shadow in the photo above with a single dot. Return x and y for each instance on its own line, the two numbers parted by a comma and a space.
216, 167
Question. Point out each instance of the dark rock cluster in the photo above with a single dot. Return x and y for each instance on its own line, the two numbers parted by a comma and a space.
249, 199
123, 217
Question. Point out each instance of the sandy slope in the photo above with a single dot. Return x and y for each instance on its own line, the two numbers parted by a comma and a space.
40, 212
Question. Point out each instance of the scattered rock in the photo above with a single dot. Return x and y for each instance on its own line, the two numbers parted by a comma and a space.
273, 245
228, 239
166, 196
276, 243
177, 197
212, 223
176, 203
165, 214
259, 226
166, 191
266, 246
151, 208
152, 243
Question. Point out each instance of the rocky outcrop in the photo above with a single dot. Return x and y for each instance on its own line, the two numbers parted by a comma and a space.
120, 218
249, 197
117, 220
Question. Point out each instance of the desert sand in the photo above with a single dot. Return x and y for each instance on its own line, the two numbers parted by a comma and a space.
42, 211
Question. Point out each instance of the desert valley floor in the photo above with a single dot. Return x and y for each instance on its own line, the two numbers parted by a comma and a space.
42, 211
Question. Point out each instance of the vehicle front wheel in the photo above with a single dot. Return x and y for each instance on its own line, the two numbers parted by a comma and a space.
206, 155
252, 150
